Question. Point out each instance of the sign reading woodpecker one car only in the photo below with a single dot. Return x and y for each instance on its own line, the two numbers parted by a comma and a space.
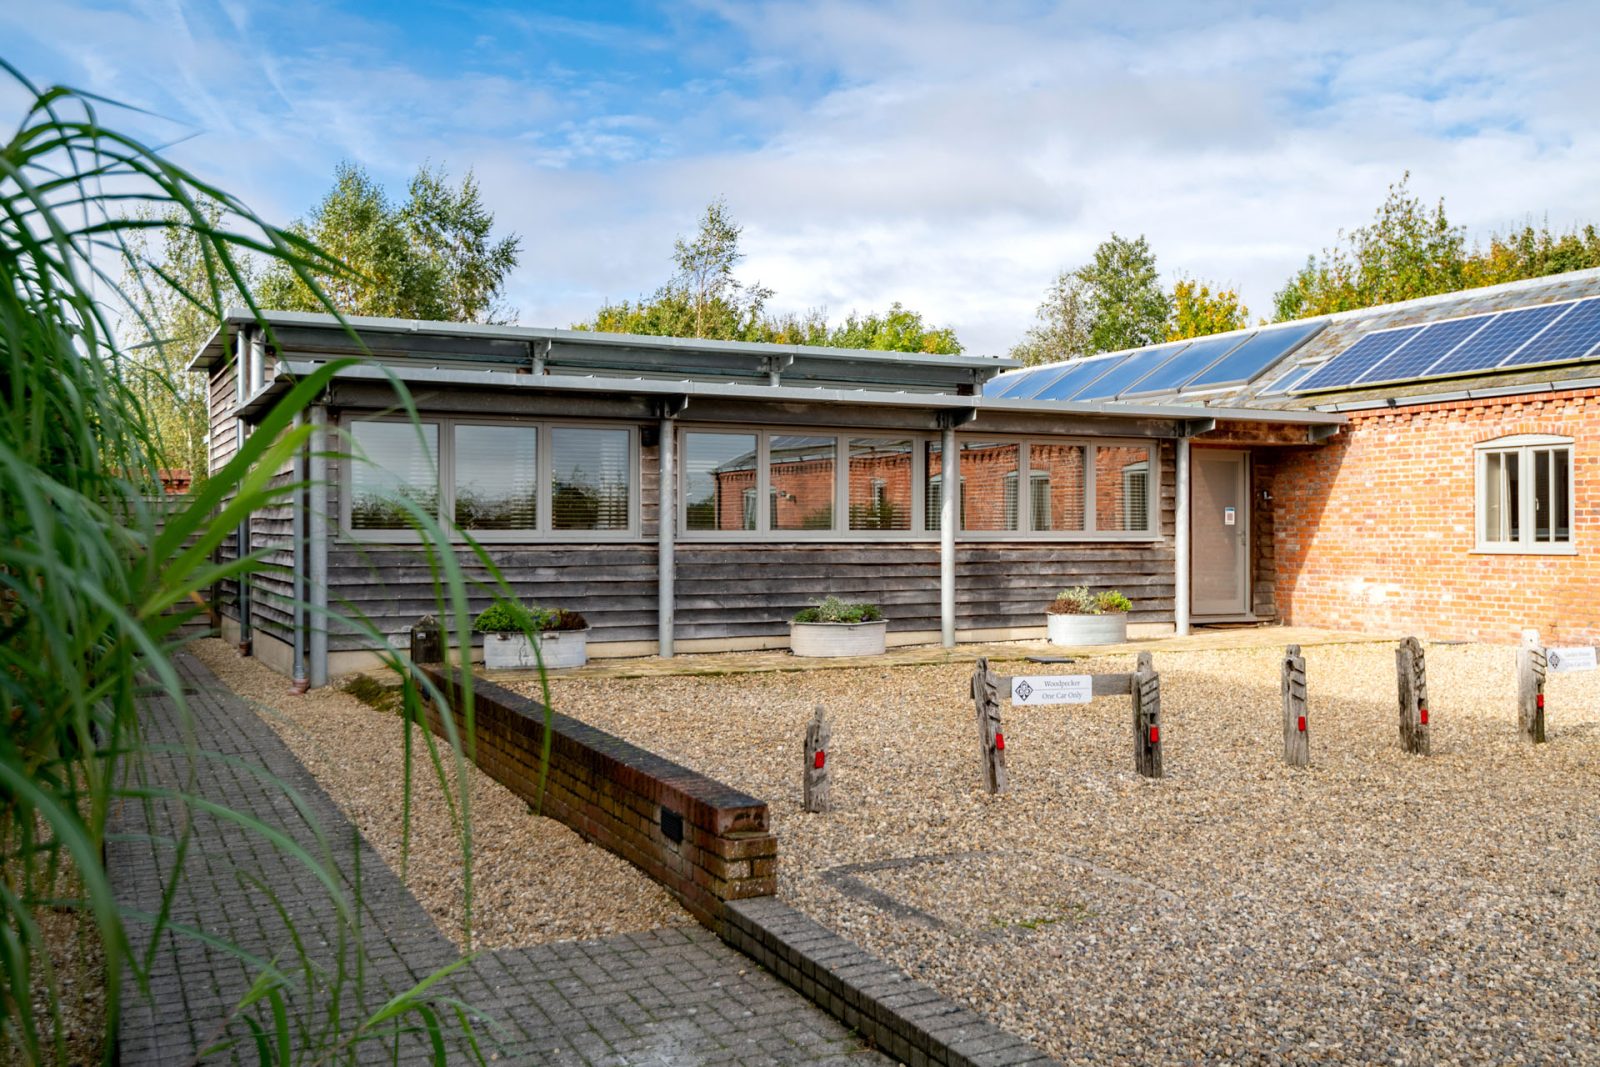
1052, 689
1562, 660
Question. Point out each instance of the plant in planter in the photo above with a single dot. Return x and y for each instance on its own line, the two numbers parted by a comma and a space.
834, 627
510, 631
1080, 617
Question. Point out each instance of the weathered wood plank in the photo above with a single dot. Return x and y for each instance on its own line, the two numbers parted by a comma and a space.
1296, 728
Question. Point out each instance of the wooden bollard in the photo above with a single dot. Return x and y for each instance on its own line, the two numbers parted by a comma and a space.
1532, 665
991, 738
1146, 692
427, 641
1296, 732
1412, 676
815, 794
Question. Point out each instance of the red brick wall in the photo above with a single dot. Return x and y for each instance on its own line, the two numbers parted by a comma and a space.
1376, 529
621, 797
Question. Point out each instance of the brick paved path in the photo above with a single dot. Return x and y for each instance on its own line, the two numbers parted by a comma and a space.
666, 997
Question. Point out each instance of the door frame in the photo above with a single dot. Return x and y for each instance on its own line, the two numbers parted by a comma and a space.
1246, 612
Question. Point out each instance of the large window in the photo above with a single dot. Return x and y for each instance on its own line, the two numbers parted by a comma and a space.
1524, 495
853, 486
499, 481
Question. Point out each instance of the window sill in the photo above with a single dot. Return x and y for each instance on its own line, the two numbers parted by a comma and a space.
1525, 550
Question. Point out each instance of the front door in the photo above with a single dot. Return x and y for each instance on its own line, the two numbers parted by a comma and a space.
1219, 513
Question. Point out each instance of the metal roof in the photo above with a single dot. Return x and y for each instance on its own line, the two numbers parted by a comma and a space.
466, 345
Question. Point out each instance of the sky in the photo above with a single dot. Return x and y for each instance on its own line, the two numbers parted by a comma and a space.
955, 157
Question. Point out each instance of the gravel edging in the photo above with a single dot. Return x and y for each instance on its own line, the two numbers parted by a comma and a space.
534, 880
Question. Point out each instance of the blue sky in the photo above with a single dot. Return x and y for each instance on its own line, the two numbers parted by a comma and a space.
952, 156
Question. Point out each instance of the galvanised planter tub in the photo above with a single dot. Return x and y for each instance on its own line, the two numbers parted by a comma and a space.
1108, 629
838, 638
514, 651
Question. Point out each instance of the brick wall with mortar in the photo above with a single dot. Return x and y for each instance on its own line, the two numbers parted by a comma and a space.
1376, 529
622, 798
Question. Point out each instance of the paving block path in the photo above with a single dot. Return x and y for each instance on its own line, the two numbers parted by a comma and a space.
665, 997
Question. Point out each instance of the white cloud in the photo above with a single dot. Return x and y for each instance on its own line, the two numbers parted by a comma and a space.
945, 156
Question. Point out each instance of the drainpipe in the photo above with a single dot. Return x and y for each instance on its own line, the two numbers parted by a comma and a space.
258, 362
949, 496
298, 547
241, 361
318, 536
1180, 599
666, 544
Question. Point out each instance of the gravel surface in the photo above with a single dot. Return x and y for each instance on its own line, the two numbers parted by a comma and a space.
534, 880
1375, 907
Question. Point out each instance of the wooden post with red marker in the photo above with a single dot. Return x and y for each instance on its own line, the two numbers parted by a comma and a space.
991, 736
815, 794
1532, 663
1145, 688
1412, 675
1296, 735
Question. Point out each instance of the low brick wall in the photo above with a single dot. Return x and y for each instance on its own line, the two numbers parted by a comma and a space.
705, 842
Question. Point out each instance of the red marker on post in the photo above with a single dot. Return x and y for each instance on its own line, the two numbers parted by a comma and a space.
1423, 712
999, 742
820, 759
1155, 735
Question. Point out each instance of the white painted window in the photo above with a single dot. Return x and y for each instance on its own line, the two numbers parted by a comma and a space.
1524, 494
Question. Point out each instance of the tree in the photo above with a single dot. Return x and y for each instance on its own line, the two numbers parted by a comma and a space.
703, 298
1197, 311
1406, 251
1531, 253
1062, 327
1128, 308
432, 257
1112, 303
174, 306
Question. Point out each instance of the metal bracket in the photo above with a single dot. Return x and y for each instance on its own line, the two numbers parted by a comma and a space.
539, 353
952, 418
1195, 427
669, 407
1318, 434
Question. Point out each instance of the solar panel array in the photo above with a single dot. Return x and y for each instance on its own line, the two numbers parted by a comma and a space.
1500, 340
1177, 367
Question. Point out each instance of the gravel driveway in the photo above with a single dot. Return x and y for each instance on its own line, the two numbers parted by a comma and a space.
1375, 907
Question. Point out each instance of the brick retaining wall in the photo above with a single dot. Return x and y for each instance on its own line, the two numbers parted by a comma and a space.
705, 842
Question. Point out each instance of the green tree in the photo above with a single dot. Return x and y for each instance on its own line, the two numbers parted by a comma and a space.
1407, 251
1127, 306
173, 307
431, 257
1532, 253
1198, 311
704, 298
1061, 329
1114, 302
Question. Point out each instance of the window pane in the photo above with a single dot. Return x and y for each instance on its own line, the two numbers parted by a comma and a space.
989, 485
1494, 496
1057, 486
590, 479
880, 484
497, 477
392, 461
935, 472
1560, 499
801, 480
1511, 465
1122, 488
719, 474
1542, 513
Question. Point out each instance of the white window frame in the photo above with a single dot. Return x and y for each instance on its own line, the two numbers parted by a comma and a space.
1523, 447
544, 532
921, 529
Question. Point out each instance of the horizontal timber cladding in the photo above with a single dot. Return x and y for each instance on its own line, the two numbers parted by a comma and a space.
392, 586
753, 590
223, 435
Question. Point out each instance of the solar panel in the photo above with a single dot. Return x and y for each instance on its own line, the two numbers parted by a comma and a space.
1194, 359
1436, 340
1128, 372
1505, 333
1080, 373
1285, 382
1254, 356
1012, 386
1354, 361
1573, 336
